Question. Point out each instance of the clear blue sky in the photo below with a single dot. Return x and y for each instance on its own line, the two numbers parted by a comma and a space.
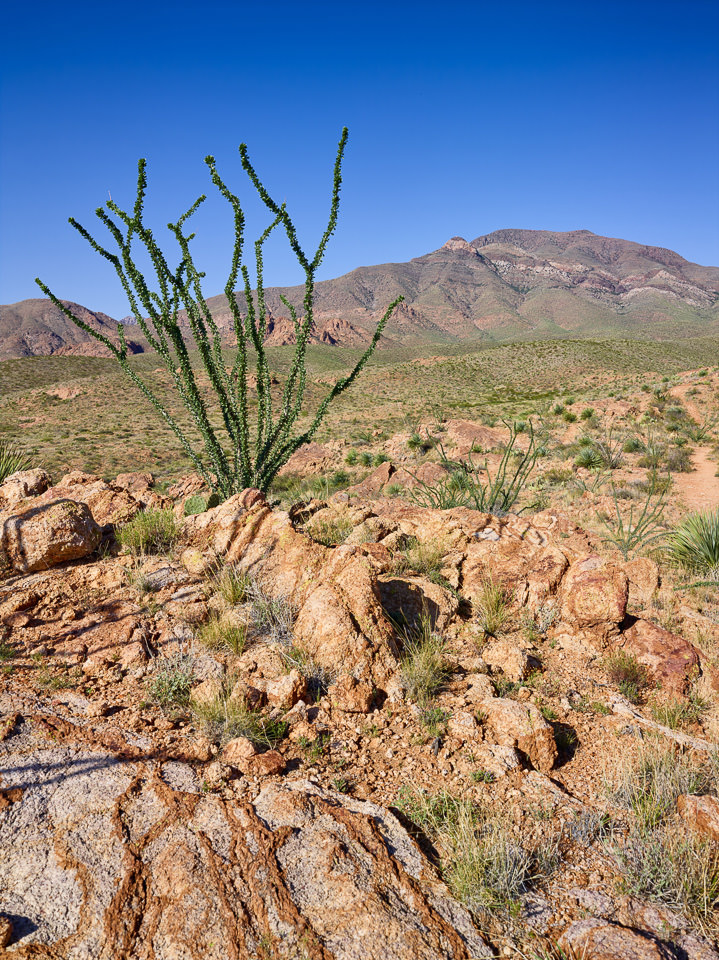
463, 117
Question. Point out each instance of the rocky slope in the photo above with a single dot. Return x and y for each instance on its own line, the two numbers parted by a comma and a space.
166, 792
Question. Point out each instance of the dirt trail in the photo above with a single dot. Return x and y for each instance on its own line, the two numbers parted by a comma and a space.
700, 488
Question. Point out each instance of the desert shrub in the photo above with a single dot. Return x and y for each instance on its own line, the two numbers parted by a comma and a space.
351, 457
636, 528
423, 666
491, 606
149, 531
274, 617
557, 476
224, 717
629, 675
12, 459
365, 458
632, 445
589, 458
173, 680
678, 459
482, 861
236, 455
694, 545
587, 414
465, 486
700, 432
569, 416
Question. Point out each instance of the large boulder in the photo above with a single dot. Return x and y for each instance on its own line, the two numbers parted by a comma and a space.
594, 595
37, 536
24, 483
672, 662
106, 857
108, 502
522, 726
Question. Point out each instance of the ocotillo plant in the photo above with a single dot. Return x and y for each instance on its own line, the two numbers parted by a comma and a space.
243, 456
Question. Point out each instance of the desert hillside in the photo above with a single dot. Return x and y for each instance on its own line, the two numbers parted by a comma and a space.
37, 328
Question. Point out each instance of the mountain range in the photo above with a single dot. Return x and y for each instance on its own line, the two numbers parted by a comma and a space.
506, 285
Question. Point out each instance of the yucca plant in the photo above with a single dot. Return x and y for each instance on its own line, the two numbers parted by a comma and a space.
242, 455
694, 545
12, 459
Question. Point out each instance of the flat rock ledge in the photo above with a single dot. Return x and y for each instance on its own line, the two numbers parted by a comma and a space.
106, 858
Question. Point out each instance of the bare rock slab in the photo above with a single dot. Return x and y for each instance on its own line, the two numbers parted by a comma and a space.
105, 858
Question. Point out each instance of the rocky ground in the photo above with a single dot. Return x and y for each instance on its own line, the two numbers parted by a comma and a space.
354, 728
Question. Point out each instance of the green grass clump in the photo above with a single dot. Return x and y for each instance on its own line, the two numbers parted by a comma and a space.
629, 675
651, 784
491, 607
330, 529
425, 558
219, 633
660, 858
694, 545
224, 717
424, 666
150, 531
173, 681
482, 862
231, 584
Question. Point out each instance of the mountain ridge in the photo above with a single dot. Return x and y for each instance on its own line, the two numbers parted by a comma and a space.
508, 284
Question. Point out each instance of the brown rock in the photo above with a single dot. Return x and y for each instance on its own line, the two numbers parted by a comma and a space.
522, 726
351, 695
495, 759
462, 725
5, 931
643, 576
511, 659
24, 483
671, 660
42, 535
238, 750
108, 503
594, 939
479, 687
263, 764
544, 575
375, 481
287, 690
195, 562
700, 814
594, 595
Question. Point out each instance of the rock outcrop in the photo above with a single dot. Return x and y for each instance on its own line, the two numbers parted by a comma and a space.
107, 858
